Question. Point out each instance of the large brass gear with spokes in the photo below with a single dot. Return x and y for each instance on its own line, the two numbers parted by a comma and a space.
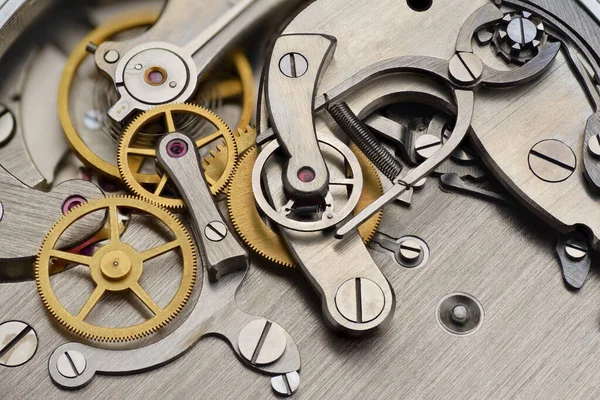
115, 267
264, 241
131, 152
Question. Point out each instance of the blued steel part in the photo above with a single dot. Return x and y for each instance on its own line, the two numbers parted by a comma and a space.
365, 140
332, 215
452, 182
116, 267
481, 18
29, 214
575, 272
265, 241
464, 104
209, 32
215, 314
223, 256
292, 116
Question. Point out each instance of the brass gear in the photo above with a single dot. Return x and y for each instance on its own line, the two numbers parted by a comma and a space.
216, 162
115, 267
265, 242
128, 156
243, 87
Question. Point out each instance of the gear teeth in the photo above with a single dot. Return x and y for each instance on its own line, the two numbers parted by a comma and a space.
174, 224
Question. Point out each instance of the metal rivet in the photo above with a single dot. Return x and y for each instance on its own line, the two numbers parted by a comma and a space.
293, 65
262, 342
286, 384
138, 66
215, 231
552, 161
427, 145
465, 68
7, 124
172, 84
576, 250
460, 314
71, 364
594, 145
91, 47
111, 56
18, 343
360, 300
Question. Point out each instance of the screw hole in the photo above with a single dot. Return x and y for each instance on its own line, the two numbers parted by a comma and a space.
420, 5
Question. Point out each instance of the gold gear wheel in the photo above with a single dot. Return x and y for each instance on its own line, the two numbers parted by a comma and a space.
216, 162
244, 86
130, 153
265, 242
115, 267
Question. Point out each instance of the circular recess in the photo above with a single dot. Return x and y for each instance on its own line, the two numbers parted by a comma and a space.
420, 5
459, 314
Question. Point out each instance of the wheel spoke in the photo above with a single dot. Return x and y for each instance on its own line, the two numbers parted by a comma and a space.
203, 141
229, 88
91, 302
145, 298
141, 152
170, 122
344, 181
161, 185
157, 251
71, 257
135, 163
113, 224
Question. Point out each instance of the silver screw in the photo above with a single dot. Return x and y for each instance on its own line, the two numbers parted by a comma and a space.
410, 250
576, 250
460, 314
7, 125
594, 145
286, 384
262, 342
521, 31
465, 67
18, 343
293, 65
71, 364
427, 145
360, 300
111, 56
552, 161
215, 231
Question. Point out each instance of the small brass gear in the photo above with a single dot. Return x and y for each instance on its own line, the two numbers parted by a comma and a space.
265, 242
131, 152
115, 267
216, 162
242, 86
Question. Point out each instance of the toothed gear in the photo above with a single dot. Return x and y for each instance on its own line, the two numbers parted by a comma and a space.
518, 37
240, 86
116, 268
265, 242
131, 151
214, 164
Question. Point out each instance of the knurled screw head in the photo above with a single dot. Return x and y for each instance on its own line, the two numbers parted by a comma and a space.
71, 364
427, 145
360, 300
286, 384
552, 161
18, 343
215, 231
576, 250
293, 65
7, 125
262, 342
465, 68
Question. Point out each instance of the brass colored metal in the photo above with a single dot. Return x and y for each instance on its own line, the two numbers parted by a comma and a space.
130, 152
215, 164
240, 86
265, 242
115, 267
